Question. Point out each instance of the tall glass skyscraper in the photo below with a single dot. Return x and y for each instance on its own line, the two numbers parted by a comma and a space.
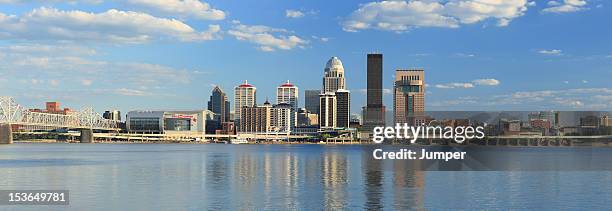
219, 104
374, 111
311, 102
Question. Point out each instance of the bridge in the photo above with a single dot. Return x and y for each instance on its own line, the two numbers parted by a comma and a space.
85, 120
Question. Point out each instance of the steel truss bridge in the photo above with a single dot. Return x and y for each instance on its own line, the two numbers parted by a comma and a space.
85, 120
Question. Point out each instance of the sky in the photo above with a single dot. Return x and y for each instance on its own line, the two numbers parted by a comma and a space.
169, 54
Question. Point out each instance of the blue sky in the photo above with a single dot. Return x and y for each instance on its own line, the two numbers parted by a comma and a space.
168, 54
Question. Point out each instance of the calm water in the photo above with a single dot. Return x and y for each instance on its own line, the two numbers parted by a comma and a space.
312, 177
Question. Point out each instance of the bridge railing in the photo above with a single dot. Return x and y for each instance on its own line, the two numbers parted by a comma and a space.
13, 113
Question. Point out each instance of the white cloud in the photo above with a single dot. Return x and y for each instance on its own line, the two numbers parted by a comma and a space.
54, 82
268, 38
401, 16
52, 1
294, 13
474, 83
322, 39
39, 49
86, 82
110, 26
465, 55
131, 92
85, 71
454, 85
554, 52
589, 98
486, 82
190, 8
566, 6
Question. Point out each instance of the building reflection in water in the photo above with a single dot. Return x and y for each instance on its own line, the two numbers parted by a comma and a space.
334, 179
373, 182
217, 174
409, 186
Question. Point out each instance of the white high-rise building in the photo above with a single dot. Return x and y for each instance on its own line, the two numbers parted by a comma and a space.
327, 112
334, 101
244, 96
287, 93
334, 76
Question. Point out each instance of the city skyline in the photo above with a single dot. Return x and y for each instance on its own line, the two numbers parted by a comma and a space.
154, 58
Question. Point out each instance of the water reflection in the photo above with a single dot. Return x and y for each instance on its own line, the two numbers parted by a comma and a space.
217, 174
334, 180
304, 177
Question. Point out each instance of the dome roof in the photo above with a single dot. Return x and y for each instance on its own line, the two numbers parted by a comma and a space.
334, 62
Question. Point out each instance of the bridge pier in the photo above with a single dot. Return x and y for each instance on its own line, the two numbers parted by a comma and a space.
6, 134
87, 136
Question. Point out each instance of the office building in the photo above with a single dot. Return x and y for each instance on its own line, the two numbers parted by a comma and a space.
374, 111
334, 76
606, 121
112, 115
282, 118
343, 108
307, 118
219, 104
245, 95
312, 101
327, 112
287, 93
255, 119
334, 100
409, 97
267, 118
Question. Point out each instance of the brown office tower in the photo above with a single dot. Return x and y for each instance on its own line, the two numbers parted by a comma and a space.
374, 111
409, 97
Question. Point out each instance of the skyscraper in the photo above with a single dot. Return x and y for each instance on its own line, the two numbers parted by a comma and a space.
334, 75
244, 96
334, 100
374, 111
327, 112
343, 108
219, 104
112, 115
287, 93
409, 97
312, 101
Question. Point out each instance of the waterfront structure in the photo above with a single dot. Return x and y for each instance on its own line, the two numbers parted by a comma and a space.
168, 122
312, 100
219, 104
409, 97
334, 76
112, 115
287, 93
374, 111
245, 95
